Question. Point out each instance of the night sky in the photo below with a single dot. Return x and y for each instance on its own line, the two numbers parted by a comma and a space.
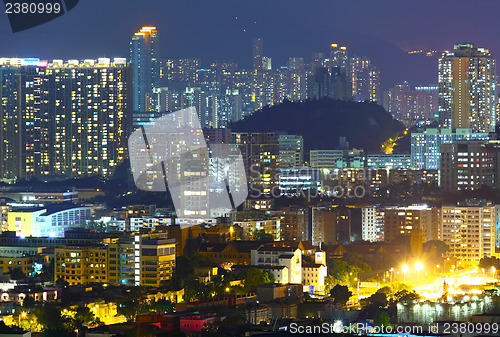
223, 30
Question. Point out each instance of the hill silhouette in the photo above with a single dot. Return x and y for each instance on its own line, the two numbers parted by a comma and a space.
321, 122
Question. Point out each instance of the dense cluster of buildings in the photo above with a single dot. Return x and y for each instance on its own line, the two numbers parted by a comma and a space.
71, 119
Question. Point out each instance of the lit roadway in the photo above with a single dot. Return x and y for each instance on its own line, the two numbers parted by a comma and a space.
434, 289
471, 278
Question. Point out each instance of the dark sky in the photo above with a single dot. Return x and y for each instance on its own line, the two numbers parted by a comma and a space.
380, 29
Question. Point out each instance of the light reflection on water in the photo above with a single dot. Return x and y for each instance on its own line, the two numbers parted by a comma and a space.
428, 312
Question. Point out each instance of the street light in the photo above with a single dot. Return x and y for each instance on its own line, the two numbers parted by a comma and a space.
418, 267
392, 272
23, 314
405, 270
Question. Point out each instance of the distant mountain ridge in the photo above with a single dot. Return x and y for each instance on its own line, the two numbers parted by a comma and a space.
321, 122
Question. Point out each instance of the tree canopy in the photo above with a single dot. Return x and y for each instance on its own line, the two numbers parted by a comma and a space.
340, 294
261, 235
365, 125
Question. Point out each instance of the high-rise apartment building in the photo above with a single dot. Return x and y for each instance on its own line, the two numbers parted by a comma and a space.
372, 222
469, 230
145, 63
258, 53
407, 103
331, 225
468, 165
181, 70
426, 145
293, 224
291, 150
317, 61
72, 122
339, 56
79, 265
260, 151
419, 222
297, 79
332, 82
467, 88
365, 79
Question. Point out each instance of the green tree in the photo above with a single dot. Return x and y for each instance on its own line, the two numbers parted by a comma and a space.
131, 307
339, 270
161, 305
255, 276
381, 318
49, 316
196, 290
379, 299
185, 264
439, 247
405, 295
488, 262
330, 282
341, 294
29, 302
16, 273
357, 264
47, 273
83, 317
261, 235
58, 332
398, 286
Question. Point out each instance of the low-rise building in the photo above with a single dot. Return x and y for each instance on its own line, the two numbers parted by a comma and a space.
313, 276
280, 256
388, 161
297, 180
138, 260
279, 273
51, 221
29, 264
270, 226
81, 264
235, 252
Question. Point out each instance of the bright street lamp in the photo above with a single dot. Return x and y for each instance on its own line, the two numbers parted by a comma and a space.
418, 267
405, 270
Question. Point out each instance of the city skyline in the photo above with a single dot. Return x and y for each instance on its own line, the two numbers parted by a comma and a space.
214, 33
247, 168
